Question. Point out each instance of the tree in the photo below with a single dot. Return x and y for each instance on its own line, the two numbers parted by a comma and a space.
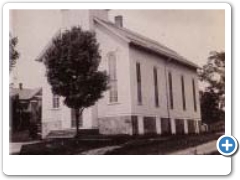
210, 110
13, 53
72, 63
213, 97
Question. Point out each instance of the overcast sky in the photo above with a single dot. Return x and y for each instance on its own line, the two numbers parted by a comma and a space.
192, 33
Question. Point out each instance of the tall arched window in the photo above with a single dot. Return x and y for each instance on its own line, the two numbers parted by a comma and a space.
194, 95
183, 93
170, 89
113, 95
139, 83
155, 78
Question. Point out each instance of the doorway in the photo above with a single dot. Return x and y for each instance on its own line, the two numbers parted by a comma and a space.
73, 119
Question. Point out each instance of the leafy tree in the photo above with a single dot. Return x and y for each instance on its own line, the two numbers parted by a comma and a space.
72, 63
13, 53
213, 97
210, 110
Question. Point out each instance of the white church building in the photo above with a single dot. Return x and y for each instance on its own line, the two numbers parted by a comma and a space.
153, 89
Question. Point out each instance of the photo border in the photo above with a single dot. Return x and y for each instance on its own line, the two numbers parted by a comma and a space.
123, 164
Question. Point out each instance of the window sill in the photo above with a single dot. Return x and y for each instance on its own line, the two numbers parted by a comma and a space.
56, 109
113, 103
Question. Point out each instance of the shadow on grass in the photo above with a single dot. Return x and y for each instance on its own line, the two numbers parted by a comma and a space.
71, 146
130, 145
161, 147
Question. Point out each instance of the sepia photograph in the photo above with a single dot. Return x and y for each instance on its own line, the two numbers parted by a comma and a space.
116, 81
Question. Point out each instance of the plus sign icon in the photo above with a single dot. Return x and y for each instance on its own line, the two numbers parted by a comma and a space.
227, 145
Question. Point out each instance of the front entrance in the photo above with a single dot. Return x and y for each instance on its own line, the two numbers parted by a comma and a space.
73, 118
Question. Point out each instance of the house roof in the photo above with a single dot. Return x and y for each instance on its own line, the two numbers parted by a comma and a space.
25, 93
144, 42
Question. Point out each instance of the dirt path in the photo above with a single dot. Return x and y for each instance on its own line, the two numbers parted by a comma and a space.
206, 148
15, 148
99, 151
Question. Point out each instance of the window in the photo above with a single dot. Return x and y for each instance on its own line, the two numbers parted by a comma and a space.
139, 89
155, 86
183, 93
194, 95
113, 96
55, 101
170, 89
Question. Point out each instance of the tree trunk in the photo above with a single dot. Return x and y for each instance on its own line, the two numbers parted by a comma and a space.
78, 113
77, 122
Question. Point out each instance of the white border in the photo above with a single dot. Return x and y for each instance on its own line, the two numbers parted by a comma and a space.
113, 165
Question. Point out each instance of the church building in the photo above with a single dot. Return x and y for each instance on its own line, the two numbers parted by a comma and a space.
153, 89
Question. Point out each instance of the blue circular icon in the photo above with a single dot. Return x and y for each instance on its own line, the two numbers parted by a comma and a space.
227, 145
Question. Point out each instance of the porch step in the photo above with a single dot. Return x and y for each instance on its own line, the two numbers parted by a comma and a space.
69, 133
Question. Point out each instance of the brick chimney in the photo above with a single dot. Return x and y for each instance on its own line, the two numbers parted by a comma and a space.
119, 21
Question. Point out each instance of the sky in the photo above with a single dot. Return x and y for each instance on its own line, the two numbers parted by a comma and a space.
192, 33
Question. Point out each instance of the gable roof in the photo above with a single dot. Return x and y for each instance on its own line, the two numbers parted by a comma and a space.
25, 93
132, 38
144, 42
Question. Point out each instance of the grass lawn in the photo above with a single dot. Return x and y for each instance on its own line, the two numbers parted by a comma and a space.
131, 145
71, 146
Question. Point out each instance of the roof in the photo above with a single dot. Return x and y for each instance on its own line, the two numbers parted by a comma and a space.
24, 94
144, 42
133, 38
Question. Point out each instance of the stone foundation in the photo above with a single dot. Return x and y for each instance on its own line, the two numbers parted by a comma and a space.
179, 126
191, 126
135, 125
149, 125
166, 126
115, 125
